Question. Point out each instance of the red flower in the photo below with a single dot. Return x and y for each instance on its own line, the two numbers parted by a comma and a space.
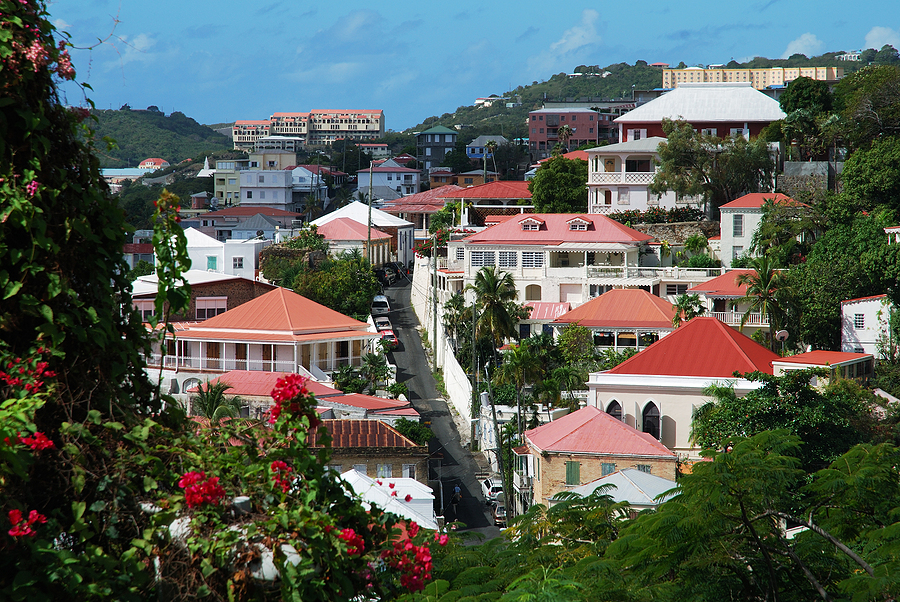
408, 498
38, 442
281, 471
200, 490
355, 544
21, 527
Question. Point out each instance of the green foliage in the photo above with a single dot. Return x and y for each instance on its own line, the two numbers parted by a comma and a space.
398, 389
344, 284
494, 291
558, 186
869, 102
873, 173
703, 261
308, 239
657, 215
806, 93
576, 343
348, 380
141, 268
687, 307
720, 169
213, 404
787, 232
142, 134
767, 293
414, 431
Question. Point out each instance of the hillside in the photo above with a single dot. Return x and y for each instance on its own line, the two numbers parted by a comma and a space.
151, 133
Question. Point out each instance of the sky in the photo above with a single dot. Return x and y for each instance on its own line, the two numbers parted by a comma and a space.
225, 60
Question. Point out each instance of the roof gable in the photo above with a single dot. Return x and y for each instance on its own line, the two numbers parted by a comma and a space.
593, 431
708, 102
724, 286
359, 212
345, 228
555, 231
756, 200
622, 308
703, 347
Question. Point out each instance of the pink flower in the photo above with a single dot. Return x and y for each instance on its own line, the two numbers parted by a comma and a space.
38, 442
408, 498
64, 64
37, 54
32, 187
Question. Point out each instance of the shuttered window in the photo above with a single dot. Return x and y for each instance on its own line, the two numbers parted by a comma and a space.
573, 473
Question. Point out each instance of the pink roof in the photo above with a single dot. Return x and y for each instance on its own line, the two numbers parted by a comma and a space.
702, 347
344, 228
368, 402
285, 312
823, 358
723, 286
622, 308
576, 154
546, 310
855, 300
593, 431
252, 122
382, 169
555, 230
260, 384
758, 199
505, 189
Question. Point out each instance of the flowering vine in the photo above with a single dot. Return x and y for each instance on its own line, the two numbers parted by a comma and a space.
22, 527
198, 489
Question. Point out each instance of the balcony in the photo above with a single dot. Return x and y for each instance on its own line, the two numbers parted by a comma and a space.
634, 178
733, 318
522, 483
219, 365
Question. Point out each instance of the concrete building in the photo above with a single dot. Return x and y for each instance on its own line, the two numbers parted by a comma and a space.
865, 325
267, 188
587, 126
315, 128
233, 257
401, 231
759, 78
740, 219
433, 144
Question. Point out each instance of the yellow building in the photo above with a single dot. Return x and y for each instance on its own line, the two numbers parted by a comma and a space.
759, 78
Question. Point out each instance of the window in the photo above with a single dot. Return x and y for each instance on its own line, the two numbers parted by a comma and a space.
508, 259
145, 308
360, 468
232, 181
534, 130
676, 289
409, 471
737, 228
578, 226
532, 259
736, 252
249, 194
390, 177
859, 321
530, 226
383, 471
710, 132
542, 130
650, 418
482, 258
208, 307
573, 473
211, 263
468, 180
262, 194
428, 151
643, 467
614, 409
460, 253
237, 263
262, 179
607, 468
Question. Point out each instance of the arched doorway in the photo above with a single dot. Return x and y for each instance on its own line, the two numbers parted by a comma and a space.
614, 409
650, 420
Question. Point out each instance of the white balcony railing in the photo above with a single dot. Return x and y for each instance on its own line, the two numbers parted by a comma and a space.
521, 482
639, 178
208, 364
733, 318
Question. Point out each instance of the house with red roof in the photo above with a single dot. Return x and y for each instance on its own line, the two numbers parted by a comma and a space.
622, 318
838, 364
740, 219
657, 390
506, 197
153, 163
279, 331
418, 208
865, 325
583, 446
344, 234
721, 296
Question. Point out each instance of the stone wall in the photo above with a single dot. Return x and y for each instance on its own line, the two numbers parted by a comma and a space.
804, 177
678, 232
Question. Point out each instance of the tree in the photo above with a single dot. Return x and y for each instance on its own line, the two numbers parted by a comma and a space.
494, 290
695, 243
576, 343
414, 431
490, 148
374, 368
212, 403
560, 186
806, 93
888, 55
869, 102
766, 294
687, 307
693, 163
564, 133
345, 284
787, 231
873, 173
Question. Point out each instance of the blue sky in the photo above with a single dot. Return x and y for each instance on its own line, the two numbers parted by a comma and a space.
225, 60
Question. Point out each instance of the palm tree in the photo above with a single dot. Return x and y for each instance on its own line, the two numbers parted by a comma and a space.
374, 368
766, 291
564, 133
212, 403
493, 292
687, 307
571, 378
490, 147
520, 367
695, 243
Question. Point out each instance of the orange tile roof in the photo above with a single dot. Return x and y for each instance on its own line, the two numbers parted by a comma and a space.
282, 311
593, 431
505, 189
260, 384
703, 347
366, 433
723, 286
555, 230
758, 199
344, 228
622, 308
823, 358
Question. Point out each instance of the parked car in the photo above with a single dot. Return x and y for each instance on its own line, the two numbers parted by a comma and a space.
382, 323
498, 512
389, 339
491, 488
380, 306
386, 276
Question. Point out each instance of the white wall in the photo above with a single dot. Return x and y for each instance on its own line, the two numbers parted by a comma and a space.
875, 316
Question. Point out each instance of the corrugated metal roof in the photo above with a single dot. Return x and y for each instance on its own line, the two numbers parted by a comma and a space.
345, 228
703, 347
756, 200
644, 145
636, 488
593, 431
260, 384
546, 310
505, 189
623, 308
555, 231
724, 286
368, 402
194, 333
823, 358
708, 102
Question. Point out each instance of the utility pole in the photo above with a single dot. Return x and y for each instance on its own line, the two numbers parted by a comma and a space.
499, 450
369, 234
434, 299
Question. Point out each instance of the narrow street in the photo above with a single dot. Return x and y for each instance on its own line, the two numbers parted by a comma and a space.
451, 463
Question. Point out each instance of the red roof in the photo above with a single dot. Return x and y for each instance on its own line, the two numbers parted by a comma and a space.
138, 247
344, 228
555, 230
823, 358
365, 433
593, 431
260, 384
758, 199
859, 299
622, 308
430, 201
506, 189
703, 347
382, 169
723, 286
368, 402
547, 310
575, 154
282, 311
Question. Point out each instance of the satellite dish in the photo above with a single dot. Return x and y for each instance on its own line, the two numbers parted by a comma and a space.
781, 335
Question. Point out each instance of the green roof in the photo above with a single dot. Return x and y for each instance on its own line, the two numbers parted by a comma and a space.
438, 129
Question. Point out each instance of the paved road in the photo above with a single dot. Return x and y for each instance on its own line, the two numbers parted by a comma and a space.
457, 466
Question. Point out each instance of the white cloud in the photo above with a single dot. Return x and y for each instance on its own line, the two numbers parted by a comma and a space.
807, 44
61, 25
879, 36
575, 44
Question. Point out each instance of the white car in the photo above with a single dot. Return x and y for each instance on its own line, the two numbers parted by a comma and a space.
382, 323
491, 488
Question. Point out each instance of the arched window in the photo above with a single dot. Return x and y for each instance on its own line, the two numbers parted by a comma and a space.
533, 292
650, 418
614, 409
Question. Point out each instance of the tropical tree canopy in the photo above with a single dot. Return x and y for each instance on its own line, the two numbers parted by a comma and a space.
213, 404
560, 186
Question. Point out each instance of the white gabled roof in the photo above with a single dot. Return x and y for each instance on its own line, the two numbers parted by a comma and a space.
644, 145
359, 212
196, 238
708, 102
149, 284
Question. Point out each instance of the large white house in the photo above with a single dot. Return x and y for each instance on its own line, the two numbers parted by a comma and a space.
741, 218
865, 325
234, 257
401, 231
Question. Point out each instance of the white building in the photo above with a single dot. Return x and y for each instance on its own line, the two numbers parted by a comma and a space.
402, 232
865, 325
740, 219
233, 257
267, 188
402, 180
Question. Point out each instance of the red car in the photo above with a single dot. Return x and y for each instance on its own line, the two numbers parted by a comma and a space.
389, 339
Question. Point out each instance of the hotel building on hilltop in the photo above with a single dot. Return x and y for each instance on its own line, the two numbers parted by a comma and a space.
315, 128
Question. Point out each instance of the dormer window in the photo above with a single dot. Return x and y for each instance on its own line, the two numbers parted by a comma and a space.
578, 224
531, 223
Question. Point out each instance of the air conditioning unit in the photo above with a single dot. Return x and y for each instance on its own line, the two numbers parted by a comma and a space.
296, 223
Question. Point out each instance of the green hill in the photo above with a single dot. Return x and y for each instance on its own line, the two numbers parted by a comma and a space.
151, 133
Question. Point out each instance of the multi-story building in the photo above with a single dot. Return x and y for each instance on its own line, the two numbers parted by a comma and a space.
740, 219
588, 126
267, 188
433, 144
315, 128
759, 78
